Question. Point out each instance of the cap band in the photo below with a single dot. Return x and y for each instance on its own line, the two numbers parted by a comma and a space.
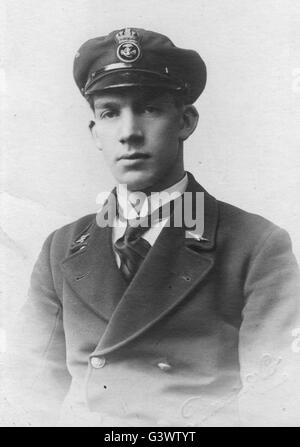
134, 76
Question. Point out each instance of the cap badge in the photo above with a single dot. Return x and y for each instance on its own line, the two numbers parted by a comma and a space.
128, 49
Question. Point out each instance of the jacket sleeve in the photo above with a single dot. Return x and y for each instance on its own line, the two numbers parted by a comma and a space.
269, 358
38, 354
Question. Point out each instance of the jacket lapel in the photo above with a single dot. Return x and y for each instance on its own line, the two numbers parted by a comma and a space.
92, 272
172, 269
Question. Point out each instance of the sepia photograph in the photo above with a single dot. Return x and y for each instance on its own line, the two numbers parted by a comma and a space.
150, 215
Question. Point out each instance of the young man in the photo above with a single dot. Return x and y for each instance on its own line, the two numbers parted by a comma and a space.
159, 325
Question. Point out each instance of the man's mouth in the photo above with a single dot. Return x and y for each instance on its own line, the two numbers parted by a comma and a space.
134, 156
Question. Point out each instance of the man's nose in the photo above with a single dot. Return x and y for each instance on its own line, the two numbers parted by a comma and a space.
130, 128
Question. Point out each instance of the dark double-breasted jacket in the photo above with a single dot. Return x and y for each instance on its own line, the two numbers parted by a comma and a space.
203, 335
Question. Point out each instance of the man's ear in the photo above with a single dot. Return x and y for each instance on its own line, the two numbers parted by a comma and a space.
189, 121
94, 133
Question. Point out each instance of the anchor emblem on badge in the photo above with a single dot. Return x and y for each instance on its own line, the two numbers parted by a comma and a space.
128, 49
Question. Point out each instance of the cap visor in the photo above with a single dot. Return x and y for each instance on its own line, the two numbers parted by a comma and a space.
131, 78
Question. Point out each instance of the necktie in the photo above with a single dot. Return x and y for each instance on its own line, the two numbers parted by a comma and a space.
132, 249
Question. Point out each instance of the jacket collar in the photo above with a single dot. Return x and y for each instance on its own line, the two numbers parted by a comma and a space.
206, 239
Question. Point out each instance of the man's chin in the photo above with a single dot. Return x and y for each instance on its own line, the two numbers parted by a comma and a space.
136, 181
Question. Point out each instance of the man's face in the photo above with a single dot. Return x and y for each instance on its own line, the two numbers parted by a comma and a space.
139, 134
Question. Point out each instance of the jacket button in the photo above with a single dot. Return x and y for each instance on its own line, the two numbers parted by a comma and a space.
97, 362
164, 366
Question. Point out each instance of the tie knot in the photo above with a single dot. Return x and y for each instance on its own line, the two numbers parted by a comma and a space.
135, 229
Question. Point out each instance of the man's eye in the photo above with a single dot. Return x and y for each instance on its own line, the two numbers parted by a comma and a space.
151, 109
108, 114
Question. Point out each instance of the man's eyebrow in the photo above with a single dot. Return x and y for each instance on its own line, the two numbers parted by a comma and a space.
156, 99
106, 104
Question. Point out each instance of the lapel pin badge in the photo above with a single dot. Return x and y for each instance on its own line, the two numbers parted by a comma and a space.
198, 237
79, 245
82, 238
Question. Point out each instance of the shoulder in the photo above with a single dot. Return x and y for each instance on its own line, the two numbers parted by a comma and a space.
239, 219
231, 223
249, 232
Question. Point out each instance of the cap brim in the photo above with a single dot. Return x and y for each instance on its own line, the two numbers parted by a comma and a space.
131, 78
